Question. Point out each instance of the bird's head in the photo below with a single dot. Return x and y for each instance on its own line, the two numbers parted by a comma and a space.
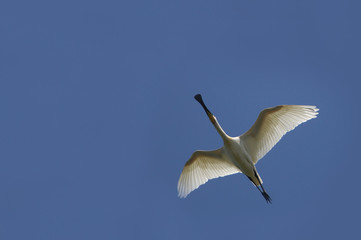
199, 99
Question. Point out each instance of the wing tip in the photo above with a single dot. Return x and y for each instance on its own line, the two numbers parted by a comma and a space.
314, 110
182, 195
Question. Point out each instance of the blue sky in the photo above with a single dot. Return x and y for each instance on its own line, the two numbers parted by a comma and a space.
98, 117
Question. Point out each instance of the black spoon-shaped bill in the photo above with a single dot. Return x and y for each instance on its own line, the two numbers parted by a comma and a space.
199, 99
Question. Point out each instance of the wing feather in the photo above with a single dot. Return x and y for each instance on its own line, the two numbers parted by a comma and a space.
272, 124
201, 167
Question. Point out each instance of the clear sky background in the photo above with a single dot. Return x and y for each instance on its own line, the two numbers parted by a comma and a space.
98, 117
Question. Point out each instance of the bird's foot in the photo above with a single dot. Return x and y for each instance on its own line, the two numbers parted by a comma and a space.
267, 197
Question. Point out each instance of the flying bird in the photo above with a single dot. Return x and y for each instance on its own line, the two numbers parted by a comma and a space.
240, 154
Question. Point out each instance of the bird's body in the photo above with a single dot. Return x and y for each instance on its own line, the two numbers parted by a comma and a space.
240, 154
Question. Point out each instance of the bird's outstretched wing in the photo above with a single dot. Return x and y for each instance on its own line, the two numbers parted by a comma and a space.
271, 125
201, 167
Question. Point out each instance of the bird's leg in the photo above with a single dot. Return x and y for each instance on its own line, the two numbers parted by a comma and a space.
263, 192
259, 189
255, 185
265, 195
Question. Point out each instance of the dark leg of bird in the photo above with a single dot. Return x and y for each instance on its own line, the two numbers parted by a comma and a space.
264, 193
258, 189
266, 196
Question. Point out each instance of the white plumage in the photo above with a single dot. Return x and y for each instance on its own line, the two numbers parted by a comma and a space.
203, 166
272, 124
240, 154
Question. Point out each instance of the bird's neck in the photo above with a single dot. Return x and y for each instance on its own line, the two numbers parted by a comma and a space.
217, 126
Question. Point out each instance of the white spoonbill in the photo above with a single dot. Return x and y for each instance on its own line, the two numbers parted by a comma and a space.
240, 154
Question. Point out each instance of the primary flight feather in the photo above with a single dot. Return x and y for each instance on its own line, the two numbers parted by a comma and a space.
240, 154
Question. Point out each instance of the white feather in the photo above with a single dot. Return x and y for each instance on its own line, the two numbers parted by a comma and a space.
271, 125
201, 167
240, 154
